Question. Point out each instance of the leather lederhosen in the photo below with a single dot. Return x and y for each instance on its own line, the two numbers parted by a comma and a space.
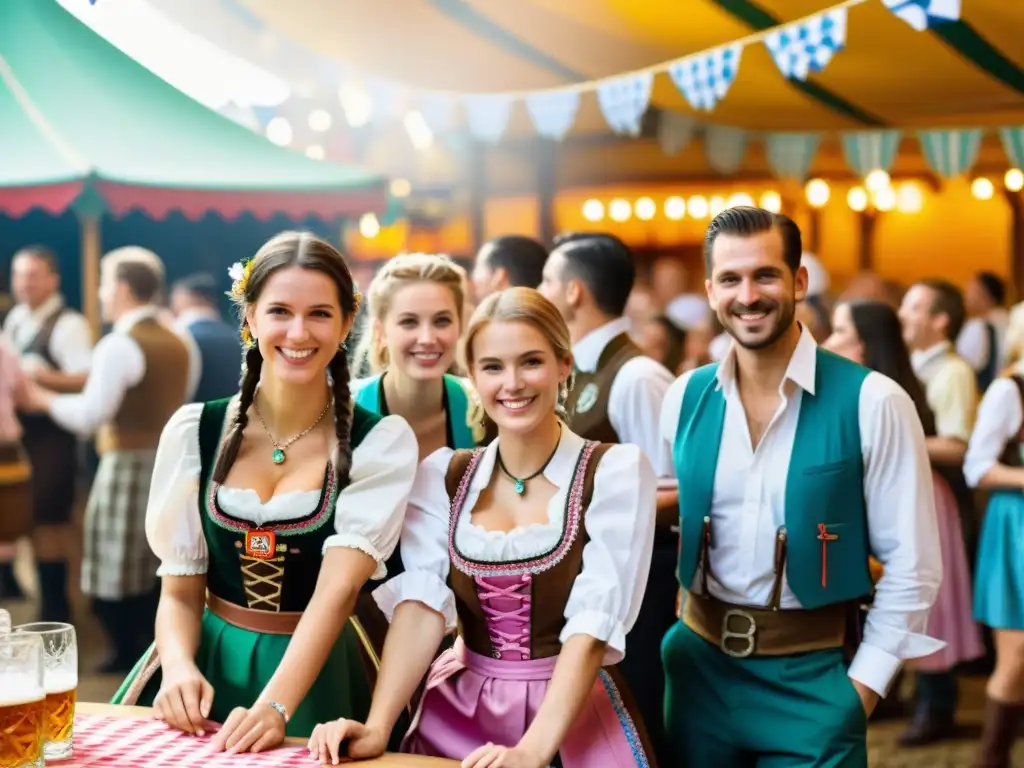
52, 450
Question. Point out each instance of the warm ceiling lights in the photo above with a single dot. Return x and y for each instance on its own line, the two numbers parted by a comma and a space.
817, 192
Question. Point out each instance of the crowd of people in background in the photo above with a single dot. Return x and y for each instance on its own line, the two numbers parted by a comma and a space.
455, 495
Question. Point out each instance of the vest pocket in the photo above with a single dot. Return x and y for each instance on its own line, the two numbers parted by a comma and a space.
829, 468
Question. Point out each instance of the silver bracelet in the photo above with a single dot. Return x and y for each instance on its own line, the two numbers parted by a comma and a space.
279, 708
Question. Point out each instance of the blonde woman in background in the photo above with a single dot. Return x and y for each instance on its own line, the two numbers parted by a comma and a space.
415, 312
414, 320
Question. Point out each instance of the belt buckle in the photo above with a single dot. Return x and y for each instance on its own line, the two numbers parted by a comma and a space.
728, 634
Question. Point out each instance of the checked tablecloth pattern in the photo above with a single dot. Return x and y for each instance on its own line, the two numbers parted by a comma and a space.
129, 742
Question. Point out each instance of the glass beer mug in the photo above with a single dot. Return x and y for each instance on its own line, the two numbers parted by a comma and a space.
22, 700
60, 682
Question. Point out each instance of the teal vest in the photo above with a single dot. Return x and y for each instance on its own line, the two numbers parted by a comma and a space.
300, 542
824, 486
369, 397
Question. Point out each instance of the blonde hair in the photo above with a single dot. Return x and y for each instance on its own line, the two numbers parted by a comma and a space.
401, 271
521, 305
1015, 336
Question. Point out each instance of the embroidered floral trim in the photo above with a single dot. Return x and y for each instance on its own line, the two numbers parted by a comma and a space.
292, 528
628, 726
570, 526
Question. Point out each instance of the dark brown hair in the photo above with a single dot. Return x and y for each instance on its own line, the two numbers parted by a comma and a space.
295, 249
947, 300
885, 351
746, 221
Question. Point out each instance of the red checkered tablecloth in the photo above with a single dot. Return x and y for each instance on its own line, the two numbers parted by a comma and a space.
130, 742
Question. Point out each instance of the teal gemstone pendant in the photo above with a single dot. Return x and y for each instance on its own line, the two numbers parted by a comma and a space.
278, 456
520, 487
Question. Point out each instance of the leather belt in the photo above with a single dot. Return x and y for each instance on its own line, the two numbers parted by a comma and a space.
264, 622
742, 631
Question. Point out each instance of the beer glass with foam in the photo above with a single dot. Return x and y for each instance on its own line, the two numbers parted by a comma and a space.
60, 681
22, 701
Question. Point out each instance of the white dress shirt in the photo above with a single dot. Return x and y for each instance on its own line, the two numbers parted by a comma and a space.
368, 512
635, 397
605, 598
972, 343
70, 343
118, 365
1000, 418
748, 506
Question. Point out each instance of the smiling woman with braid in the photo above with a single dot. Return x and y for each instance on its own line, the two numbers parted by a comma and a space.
269, 511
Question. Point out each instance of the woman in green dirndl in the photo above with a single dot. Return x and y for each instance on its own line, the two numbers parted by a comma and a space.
269, 512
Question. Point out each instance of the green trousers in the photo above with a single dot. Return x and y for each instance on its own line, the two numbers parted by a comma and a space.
798, 711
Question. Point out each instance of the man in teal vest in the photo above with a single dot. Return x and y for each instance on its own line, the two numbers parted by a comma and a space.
794, 466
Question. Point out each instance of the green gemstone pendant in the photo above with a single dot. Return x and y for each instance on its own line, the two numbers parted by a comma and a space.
278, 456
520, 487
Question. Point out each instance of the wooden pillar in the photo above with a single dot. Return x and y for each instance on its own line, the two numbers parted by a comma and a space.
866, 254
477, 191
1016, 203
91, 246
813, 243
547, 188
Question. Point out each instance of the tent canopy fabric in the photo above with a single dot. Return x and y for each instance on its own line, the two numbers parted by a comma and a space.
83, 123
959, 74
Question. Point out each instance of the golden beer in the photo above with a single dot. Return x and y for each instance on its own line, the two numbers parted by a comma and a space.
60, 681
59, 714
21, 729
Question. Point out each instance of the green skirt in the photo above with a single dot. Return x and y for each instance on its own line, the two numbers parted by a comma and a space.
238, 664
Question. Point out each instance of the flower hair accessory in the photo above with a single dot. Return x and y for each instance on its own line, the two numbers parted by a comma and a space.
239, 273
357, 301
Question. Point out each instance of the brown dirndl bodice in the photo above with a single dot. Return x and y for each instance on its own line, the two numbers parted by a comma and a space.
552, 573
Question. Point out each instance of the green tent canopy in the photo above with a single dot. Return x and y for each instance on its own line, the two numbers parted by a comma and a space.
82, 124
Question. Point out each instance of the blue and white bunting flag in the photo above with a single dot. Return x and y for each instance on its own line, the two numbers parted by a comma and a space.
951, 153
807, 46
1013, 145
922, 14
553, 112
725, 148
623, 101
704, 79
867, 151
790, 154
488, 115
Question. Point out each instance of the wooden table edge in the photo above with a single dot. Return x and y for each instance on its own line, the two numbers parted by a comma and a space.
388, 760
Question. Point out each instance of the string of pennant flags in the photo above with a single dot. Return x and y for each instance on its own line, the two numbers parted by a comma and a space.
799, 49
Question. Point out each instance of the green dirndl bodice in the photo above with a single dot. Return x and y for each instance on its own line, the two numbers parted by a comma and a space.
238, 662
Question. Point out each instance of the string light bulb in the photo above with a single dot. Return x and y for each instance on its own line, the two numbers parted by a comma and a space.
817, 192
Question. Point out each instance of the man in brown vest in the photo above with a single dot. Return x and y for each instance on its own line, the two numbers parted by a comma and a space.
54, 348
616, 397
138, 379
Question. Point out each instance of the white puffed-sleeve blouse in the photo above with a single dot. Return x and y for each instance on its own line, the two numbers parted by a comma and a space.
999, 421
368, 512
605, 600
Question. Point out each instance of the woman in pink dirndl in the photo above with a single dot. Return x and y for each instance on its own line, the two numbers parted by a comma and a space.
536, 551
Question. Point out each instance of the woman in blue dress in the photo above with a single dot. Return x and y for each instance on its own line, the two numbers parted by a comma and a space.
995, 462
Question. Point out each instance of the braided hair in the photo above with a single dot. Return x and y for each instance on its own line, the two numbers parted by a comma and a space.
294, 249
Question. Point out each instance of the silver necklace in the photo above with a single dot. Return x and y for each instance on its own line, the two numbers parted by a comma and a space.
278, 455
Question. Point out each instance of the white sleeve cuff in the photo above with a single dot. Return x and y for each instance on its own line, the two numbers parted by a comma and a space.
355, 541
419, 586
603, 627
874, 668
182, 568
